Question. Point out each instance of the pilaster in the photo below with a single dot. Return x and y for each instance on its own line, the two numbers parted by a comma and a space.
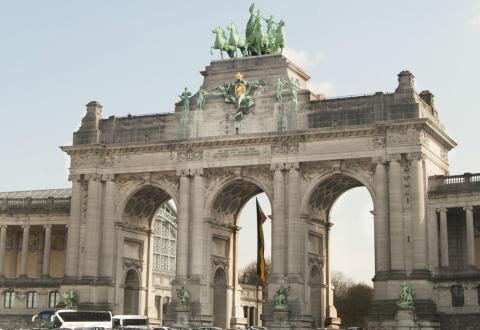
108, 226
183, 225
382, 245
279, 245
73, 241
197, 238
93, 226
397, 249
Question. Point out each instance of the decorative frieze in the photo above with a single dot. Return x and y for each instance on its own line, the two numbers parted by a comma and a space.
188, 155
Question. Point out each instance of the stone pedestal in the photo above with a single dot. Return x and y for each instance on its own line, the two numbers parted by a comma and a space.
334, 323
183, 317
280, 319
239, 322
405, 319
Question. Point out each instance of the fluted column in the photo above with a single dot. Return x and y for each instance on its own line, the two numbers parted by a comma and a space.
444, 262
470, 237
382, 246
397, 250
295, 228
73, 235
46, 250
108, 226
419, 234
93, 226
197, 238
3, 239
278, 223
24, 258
183, 224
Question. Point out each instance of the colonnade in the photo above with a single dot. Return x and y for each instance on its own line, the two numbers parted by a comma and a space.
45, 268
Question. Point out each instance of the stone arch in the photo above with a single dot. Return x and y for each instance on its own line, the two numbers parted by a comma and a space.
219, 187
126, 195
131, 292
361, 180
220, 299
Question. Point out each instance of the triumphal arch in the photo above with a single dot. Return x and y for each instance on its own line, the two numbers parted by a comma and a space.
255, 127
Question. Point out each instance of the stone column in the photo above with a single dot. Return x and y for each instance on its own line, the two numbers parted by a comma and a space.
397, 250
278, 223
197, 238
108, 226
417, 186
24, 259
3, 239
382, 246
73, 241
46, 251
444, 262
433, 239
183, 224
93, 226
295, 229
470, 237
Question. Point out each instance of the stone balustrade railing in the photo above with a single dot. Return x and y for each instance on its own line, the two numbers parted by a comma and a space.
450, 183
11, 205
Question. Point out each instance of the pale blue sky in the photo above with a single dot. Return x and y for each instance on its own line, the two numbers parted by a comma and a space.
135, 57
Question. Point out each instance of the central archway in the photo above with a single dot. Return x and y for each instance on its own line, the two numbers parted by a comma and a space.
225, 210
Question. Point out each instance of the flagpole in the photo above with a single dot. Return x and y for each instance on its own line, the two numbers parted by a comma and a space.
256, 311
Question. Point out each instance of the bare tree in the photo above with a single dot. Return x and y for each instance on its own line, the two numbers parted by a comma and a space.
248, 274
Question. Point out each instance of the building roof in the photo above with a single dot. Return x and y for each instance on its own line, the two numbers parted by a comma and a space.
55, 193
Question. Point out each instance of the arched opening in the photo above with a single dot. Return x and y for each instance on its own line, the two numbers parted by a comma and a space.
235, 244
316, 295
149, 247
341, 203
131, 297
220, 299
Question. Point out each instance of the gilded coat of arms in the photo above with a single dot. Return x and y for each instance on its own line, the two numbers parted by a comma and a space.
240, 92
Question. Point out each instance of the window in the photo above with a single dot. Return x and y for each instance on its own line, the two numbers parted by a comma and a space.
9, 299
53, 299
458, 299
164, 239
32, 299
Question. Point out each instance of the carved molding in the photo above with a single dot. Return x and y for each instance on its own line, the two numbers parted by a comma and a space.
188, 155
132, 263
220, 262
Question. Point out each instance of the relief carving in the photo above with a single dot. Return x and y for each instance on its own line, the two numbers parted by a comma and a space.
189, 155
406, 183
401, 138
132, 263
285, 147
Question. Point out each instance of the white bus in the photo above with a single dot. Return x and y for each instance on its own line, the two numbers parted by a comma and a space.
129, 321
71, 319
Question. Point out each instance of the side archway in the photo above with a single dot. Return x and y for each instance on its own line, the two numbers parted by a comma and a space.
220, 301
131, 297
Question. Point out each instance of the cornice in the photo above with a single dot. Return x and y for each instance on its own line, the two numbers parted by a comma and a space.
265, 138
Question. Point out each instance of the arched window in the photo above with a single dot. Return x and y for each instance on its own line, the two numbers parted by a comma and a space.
164, 239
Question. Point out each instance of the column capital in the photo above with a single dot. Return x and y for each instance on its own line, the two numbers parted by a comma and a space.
277, 167
197, 171
92, 176
26, 226
468, 208
380, 160
108, 177
442, 209
183, 172
74, 177
292, 166
48, 226
394, 158
3, 226
416, 156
